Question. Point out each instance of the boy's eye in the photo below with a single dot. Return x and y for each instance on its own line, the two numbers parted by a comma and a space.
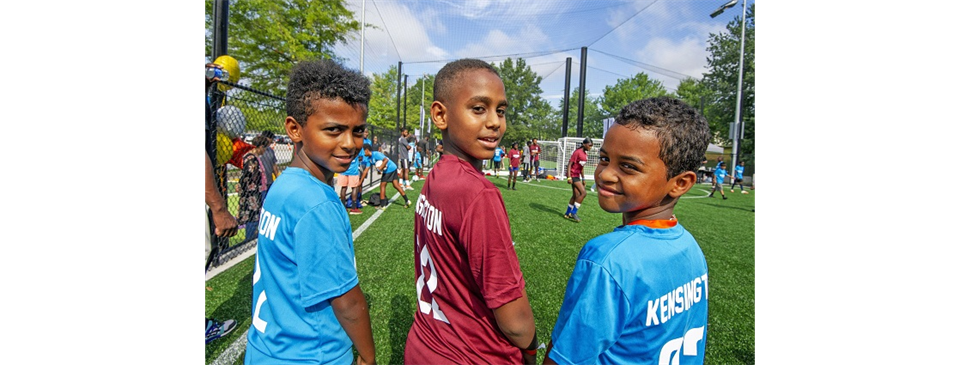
501, 111
478, 109
604, 160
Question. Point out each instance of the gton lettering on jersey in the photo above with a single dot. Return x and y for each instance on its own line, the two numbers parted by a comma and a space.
427, 275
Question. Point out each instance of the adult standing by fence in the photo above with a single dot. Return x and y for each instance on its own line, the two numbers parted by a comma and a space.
269, 159
526, 161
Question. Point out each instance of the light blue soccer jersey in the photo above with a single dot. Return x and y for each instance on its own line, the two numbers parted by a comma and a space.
637, 295
363, 156
304, 259
498, 154
354, 168
416, 160
379, 156
738, 172
720, 174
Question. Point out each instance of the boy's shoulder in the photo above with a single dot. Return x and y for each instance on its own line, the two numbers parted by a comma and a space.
628, 242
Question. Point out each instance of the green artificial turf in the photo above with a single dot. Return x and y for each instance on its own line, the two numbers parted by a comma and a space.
547, 246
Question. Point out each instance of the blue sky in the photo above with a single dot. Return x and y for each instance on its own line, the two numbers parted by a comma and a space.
666, 39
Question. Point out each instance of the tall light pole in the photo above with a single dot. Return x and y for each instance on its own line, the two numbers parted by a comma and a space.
737, 131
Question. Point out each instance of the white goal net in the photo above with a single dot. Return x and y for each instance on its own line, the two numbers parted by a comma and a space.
556, 154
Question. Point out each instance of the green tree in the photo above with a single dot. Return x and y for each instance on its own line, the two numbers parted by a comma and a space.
625, 91
383, 99
269, 37
692, 92
593, 116
420, 92
527, 108
721, 82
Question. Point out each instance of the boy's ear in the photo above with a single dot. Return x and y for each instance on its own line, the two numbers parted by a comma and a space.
293, 129
682, 183
438, 112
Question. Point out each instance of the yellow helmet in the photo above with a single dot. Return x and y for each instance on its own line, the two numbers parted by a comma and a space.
232, 67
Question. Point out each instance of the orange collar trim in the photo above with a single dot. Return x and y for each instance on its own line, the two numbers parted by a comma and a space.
655, 223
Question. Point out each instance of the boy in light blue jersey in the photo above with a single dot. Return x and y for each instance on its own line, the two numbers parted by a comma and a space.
738, 178
307, 305
718, 176
638, 295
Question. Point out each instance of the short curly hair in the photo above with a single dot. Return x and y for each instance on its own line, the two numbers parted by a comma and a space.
324, 79
683, 133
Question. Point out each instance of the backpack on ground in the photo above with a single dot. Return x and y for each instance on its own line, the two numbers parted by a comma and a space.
374, 199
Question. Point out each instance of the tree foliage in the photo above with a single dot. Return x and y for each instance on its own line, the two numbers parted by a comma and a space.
269, 37
383, 99
721, 84
625, 91
593, 116
528, 113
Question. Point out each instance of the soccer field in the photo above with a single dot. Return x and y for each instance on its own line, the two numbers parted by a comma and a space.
547, 246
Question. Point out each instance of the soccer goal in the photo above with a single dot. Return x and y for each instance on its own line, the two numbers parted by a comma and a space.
564, 147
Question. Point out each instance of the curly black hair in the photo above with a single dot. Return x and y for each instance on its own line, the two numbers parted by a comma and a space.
683, 133
324, 79
451, 72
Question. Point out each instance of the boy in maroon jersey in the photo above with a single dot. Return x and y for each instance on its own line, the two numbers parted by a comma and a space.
514, 156
471, 296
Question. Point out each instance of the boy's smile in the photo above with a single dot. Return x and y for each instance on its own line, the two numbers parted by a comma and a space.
473, 119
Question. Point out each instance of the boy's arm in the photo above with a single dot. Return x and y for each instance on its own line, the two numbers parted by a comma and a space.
354, 316
515, 319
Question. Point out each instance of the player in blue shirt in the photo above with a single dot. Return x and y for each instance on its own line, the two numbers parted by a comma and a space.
498, 160
307, 304
638, 295
738, 177
388, 169
718, 176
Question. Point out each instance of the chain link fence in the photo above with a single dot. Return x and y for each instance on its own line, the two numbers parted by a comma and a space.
240, 114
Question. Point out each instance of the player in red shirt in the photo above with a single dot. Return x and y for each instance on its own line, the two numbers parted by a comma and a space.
575, 177
535, 159
471, 296
514, 155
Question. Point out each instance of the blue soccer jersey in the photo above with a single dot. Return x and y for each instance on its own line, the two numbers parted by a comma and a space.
720, 174
738, 172
354, 168
363, 156
637, 295
379, 156
498, 154
304, 259
416, 160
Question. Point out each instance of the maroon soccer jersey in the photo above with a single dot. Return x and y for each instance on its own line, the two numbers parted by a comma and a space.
535, 152
576, 168
514, 157
466, 266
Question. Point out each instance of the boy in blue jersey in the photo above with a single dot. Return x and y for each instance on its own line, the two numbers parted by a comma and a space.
638, 295
418, 162
738, 178
718, 176
307, 304
498, 160
388, 171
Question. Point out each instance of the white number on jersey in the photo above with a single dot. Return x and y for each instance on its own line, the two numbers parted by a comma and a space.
670, 352
431, 283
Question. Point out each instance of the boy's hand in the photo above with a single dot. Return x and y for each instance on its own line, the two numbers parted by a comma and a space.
569, 180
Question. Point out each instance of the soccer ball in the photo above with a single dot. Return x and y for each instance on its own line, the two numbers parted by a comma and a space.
415, 178
379, 164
